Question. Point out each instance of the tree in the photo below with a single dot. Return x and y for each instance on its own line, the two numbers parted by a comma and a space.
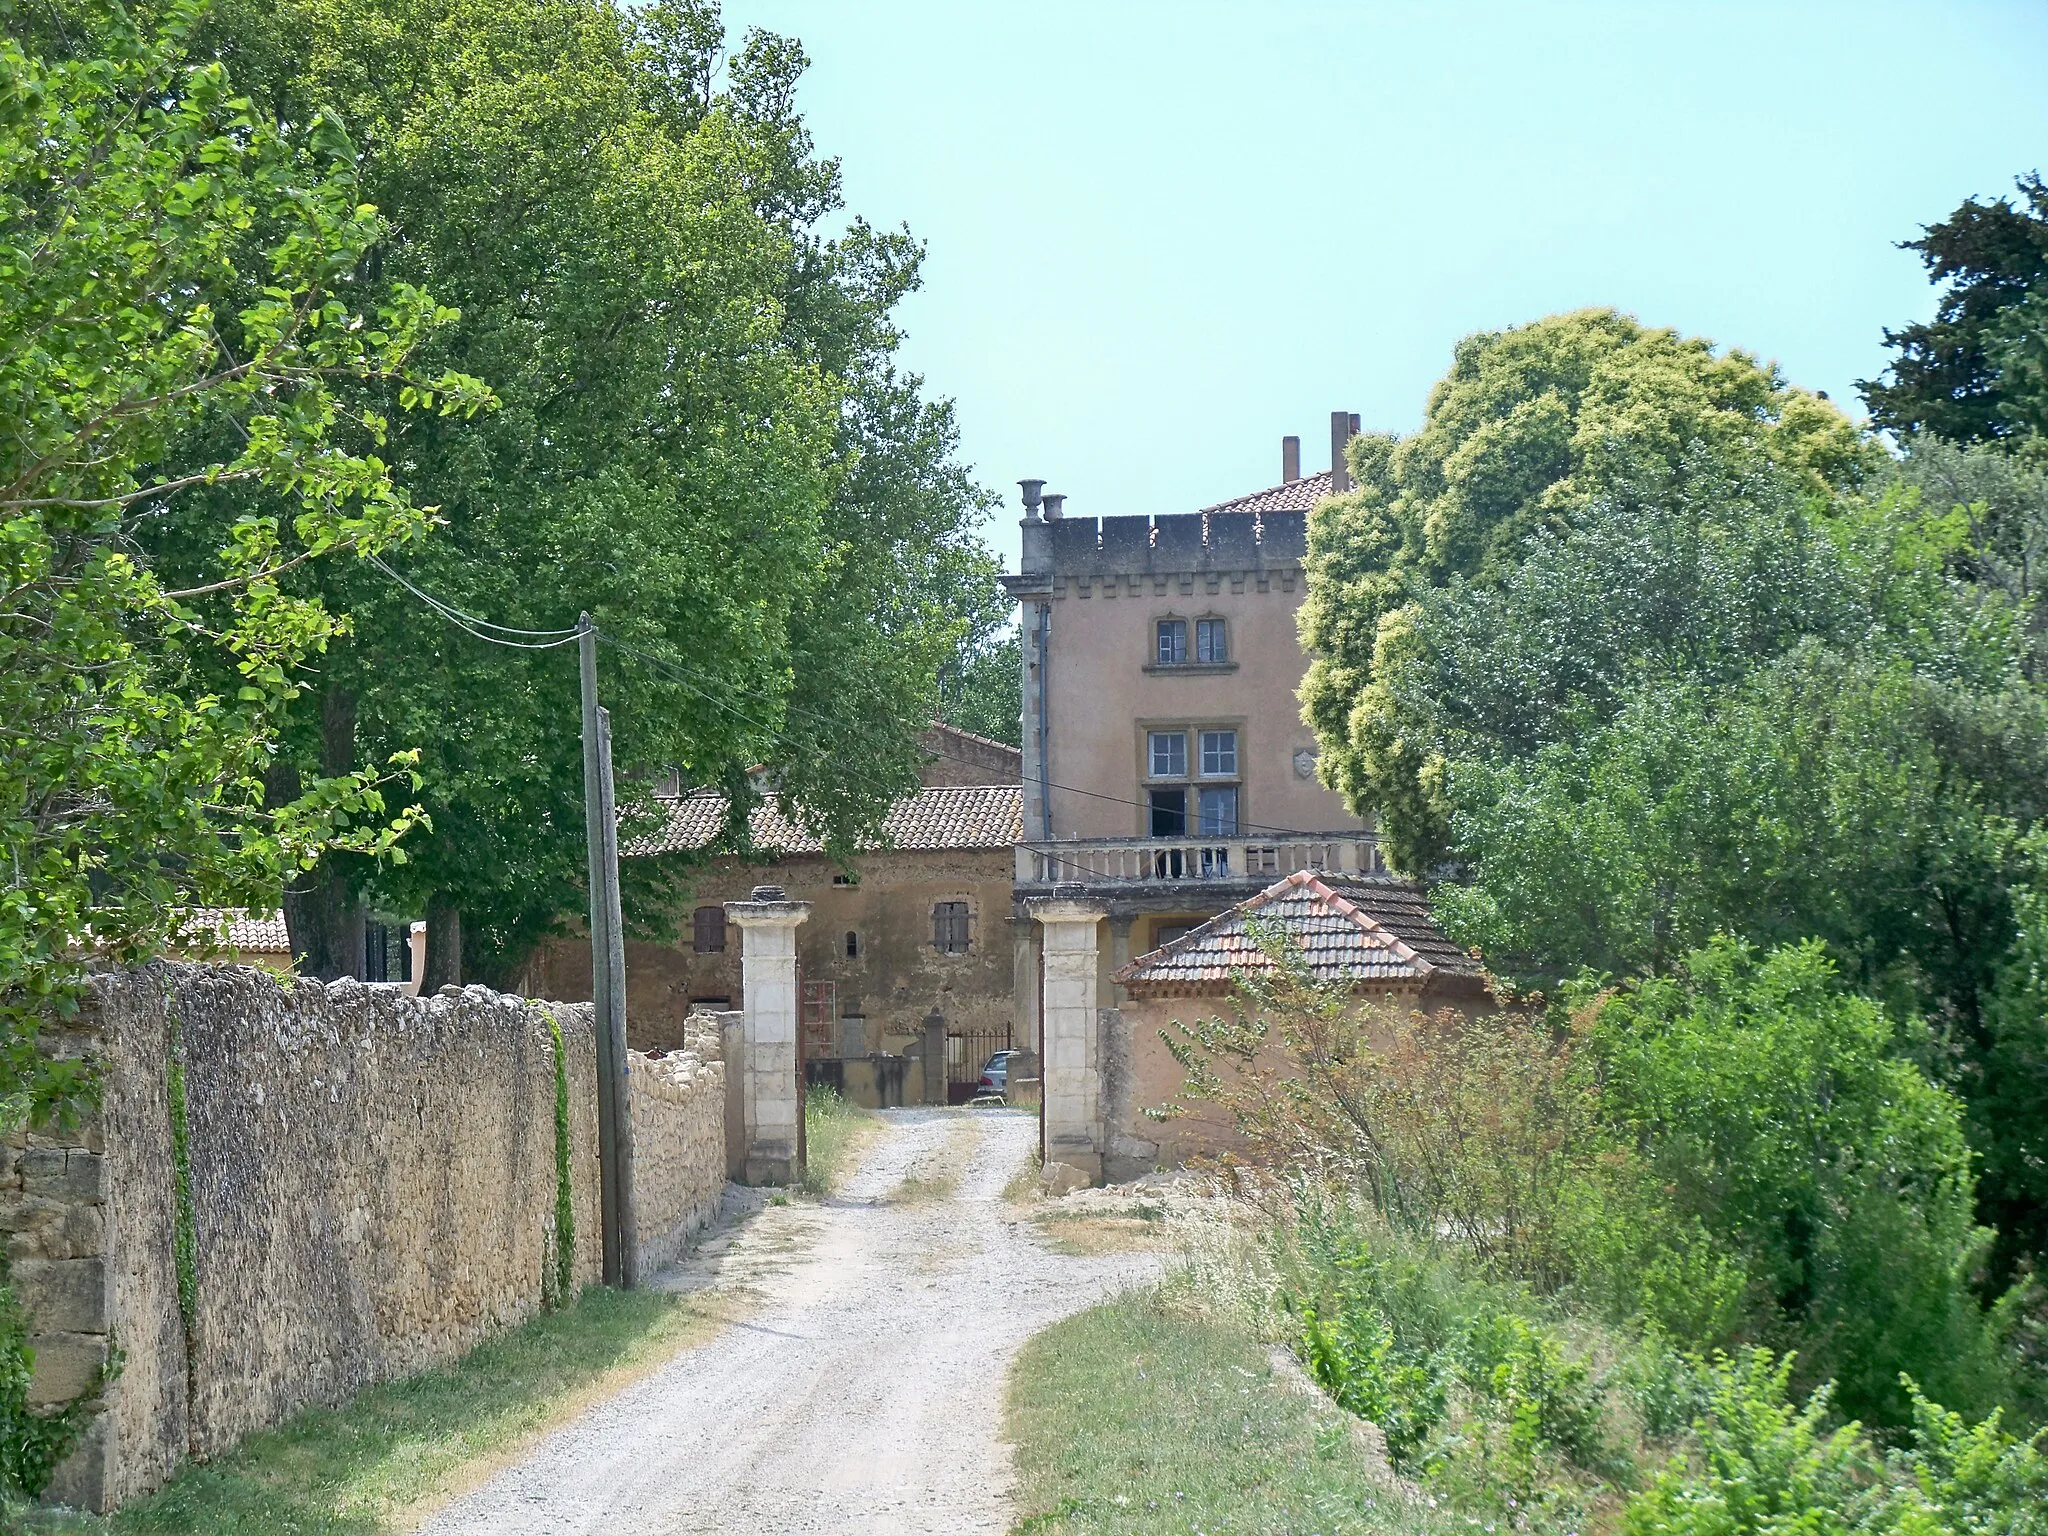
1531, 428
1978, 371
1724, 685
138, 717
702, 442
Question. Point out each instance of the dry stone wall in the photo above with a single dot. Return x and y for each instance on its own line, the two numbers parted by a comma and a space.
372, 1190
679, 1158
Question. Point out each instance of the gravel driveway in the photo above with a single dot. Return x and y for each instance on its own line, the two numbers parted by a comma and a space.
863, 1392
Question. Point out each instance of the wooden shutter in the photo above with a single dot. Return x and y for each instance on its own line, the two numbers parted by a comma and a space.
709, 935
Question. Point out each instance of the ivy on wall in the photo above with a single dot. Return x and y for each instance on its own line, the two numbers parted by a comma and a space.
557, 1287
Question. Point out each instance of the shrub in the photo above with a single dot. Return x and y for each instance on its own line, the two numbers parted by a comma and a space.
1758, 1109
1762, 1466
1453, 1126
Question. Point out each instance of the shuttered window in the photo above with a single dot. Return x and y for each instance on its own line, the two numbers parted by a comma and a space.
708, 935
949, 927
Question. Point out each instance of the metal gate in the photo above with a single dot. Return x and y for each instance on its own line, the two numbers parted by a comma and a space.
967, 1052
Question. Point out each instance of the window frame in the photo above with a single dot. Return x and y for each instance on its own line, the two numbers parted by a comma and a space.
1154, 808
1153, 739
1178, 627
1204, 827
1203, 736
1209, 630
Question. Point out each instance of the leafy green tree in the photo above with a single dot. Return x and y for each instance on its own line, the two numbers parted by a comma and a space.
138, 718
1530, 430
703, 442
1978, 371
1769, 1108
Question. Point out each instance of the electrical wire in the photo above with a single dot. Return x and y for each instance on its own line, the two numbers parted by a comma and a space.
470, 624
677, 673
672, 671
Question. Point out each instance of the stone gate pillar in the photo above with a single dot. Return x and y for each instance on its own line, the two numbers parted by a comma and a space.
1073, 1050
772, 1101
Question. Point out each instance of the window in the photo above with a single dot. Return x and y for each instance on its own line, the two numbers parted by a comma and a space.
949, 927
1219, 754
852, 945
1168, 751
1216, 807
708, 931
1165, 935
1169, 812
711, 1005
1211, 645
842, 879
1173, 642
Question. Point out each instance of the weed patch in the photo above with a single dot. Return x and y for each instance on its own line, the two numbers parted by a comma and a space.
834, 1133
1082, 1234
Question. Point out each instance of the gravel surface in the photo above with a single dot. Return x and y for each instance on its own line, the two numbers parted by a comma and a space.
863, 1390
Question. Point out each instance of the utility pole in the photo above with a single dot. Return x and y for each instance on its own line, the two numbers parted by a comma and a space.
607, 979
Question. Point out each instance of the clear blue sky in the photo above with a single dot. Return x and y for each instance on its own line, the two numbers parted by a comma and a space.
1162, 235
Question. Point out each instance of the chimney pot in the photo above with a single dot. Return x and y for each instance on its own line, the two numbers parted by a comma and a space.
1290, 460
1030, 488
1343, 427
1053, 507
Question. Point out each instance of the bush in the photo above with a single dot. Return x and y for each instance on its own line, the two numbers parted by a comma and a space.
1762, 1465
1451, 1125
1476, 1393
1759, 1115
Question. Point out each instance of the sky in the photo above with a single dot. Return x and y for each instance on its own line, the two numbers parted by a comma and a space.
1163, 235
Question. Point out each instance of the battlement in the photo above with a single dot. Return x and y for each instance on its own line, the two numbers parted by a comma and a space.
1184, 543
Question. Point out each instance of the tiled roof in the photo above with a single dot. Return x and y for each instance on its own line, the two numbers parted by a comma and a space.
945, 728
1294, 496
252, 933
938, 816
1364, 930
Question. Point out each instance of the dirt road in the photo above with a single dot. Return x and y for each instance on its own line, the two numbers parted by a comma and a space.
862, 1393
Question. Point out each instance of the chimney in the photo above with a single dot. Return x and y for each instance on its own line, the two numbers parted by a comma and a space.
1030, 488
1343, 427
1053, 504
1290, 460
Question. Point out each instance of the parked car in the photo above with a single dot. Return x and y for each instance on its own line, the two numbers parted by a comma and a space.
995, 1075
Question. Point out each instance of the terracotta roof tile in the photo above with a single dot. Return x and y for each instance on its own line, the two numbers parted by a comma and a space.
936, 817
1293, 496
1365, 930
252, 933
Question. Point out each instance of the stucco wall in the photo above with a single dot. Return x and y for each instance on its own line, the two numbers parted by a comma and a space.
1103, 698
1139, 1073
372, 1191
893, 982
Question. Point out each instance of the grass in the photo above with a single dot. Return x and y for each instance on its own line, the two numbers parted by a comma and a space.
1141, 1417
834, 1133
1083, 1234
935, 1175
397, 1452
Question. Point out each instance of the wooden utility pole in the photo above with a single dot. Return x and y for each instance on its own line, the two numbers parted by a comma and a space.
607, 979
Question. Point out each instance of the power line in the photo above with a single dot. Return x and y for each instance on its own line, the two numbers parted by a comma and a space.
796, 709
679, 674
470, 624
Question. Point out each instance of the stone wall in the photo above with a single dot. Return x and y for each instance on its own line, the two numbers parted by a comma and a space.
679, 1156
372, 1191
